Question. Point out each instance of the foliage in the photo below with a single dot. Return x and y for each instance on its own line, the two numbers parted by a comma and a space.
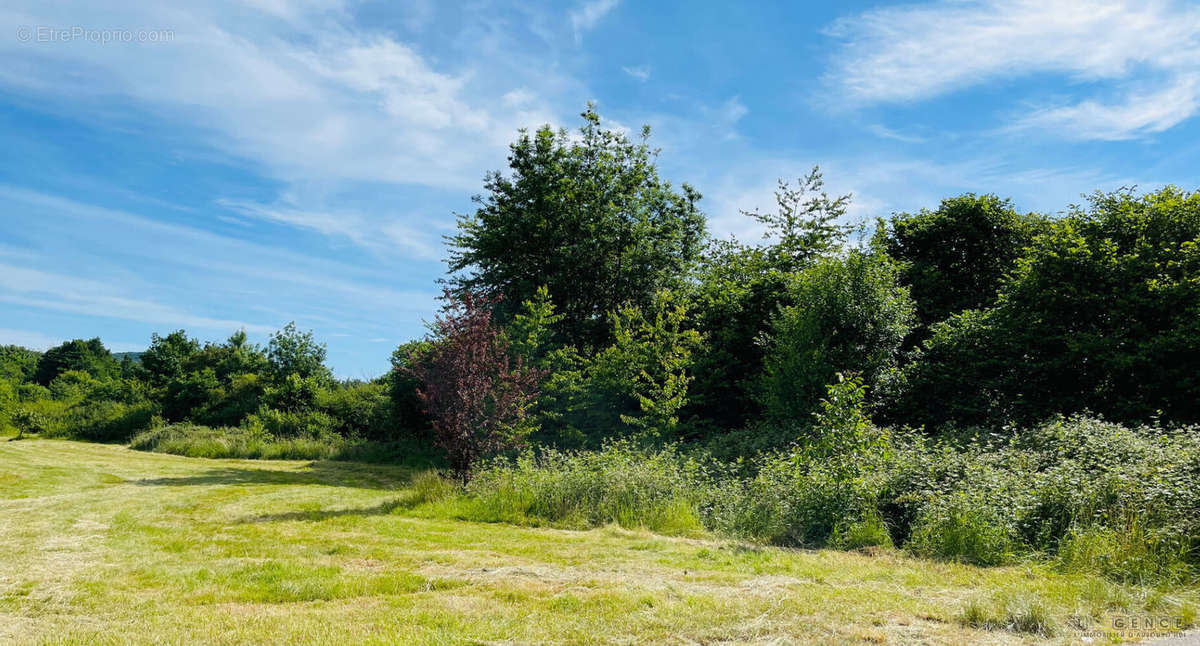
17, 364
408, 413
806, 224
291, 352
86, 356
28, 422
739, 288
635, 387
621, 484
586, 216
476, 394
846, 315
167, 358
956, 258
1102, 315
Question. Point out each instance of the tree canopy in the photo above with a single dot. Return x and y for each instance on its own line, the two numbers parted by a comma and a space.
586, 216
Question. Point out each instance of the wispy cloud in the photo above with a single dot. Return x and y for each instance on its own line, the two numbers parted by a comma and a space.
639, 72
389, 236
589, 14
1135, 115
885, 132
66, 293
917, 52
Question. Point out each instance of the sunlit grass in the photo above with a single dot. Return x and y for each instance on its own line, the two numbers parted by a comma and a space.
104, 545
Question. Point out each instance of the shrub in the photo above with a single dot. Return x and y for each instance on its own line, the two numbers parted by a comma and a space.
297, 424
1099, 315
28, 422
107, 420
1125, 553
475, 394
847, 315
657, 490
963, 530
361, 410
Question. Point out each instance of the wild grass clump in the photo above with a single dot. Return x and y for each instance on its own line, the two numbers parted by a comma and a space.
1021, 613
634, 488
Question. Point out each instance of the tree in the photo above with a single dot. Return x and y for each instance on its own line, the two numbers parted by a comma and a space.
805, 225
956, 258
476, 395
408, 412
88, 356
28, 421
17, 364
589, 218
739, 289
846, 314
291, 352
1102, 314
167, 357
643, 376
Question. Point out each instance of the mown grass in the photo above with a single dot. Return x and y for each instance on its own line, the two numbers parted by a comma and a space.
104, 545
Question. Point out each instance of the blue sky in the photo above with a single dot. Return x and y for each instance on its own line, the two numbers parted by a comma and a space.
226, 165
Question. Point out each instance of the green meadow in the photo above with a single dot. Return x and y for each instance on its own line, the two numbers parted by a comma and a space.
106, 545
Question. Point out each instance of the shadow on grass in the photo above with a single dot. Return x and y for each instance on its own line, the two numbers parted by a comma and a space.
382, 509
330, 474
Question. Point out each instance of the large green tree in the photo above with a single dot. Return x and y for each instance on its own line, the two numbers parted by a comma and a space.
586, 216
89, 356
847, 315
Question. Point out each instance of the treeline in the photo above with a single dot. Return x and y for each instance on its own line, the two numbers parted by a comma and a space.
586, 301
282, 391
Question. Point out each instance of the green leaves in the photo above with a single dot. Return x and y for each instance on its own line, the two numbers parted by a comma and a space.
587, 217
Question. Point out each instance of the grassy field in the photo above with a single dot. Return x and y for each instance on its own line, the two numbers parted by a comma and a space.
103, 545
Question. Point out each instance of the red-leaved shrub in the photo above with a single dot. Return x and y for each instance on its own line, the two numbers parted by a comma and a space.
474, 392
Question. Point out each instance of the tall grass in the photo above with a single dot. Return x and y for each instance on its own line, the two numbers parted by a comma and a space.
657, 490
246, 443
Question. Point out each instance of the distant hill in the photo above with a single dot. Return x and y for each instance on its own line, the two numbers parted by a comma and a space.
120, 356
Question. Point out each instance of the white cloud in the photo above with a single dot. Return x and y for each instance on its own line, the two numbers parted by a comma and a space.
394, 236
1136, 115
638, 72
588, 14
65, 293
300, 91
916, 52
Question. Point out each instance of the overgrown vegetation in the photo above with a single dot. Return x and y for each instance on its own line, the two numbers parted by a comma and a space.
972, 383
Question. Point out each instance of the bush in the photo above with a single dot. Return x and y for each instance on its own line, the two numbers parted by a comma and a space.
847, 315
476, 395
963, 530
657, 490
107, 420
297, 424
